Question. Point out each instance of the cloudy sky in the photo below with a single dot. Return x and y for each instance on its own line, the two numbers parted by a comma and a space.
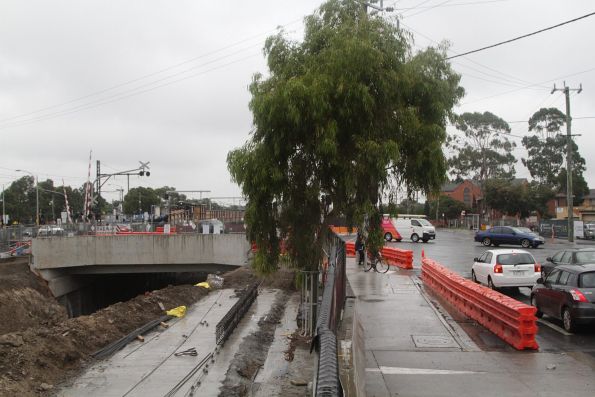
166, 81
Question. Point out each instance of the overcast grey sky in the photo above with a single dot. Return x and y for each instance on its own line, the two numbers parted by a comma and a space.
166, 81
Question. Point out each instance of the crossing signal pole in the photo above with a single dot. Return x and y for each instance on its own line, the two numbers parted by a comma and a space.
569, 196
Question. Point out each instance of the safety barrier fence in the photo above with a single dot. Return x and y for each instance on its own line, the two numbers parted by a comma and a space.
394, 256
333, 299
511, 320
231, 319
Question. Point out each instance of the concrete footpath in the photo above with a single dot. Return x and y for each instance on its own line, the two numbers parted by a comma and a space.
413, 349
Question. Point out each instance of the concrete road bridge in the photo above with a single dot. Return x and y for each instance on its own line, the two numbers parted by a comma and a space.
86, 272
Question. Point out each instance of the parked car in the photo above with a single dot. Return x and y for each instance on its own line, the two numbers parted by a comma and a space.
508, 235
49, 230
571, 256
506, 268
567, 293
589, 231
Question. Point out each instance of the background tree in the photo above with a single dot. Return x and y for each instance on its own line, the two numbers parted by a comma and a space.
546, 153
19, 205
508, 196
448, 206
340, 114
483, 151
139, 200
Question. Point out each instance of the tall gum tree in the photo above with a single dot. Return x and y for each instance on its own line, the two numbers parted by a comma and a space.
339, 116
483, 150
546, 153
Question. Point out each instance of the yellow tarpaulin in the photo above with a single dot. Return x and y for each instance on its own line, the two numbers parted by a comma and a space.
204, 284
179, 311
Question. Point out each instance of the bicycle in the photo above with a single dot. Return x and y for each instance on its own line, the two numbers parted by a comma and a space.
379, 264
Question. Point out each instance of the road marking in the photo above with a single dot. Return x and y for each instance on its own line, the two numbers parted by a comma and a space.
554, 327
418, 371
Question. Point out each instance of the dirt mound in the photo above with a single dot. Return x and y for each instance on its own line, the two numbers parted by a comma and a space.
244, 276
25, 307
15, 274
34, 360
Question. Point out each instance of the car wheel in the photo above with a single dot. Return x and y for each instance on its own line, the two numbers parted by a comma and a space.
474, 277
491, 284
568, 320
525, 243
388, 237
538, 313
414, 237
486, 241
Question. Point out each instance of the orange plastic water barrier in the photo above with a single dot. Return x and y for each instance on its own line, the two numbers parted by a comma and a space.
343, 230
398, 257
511, 320
394, 256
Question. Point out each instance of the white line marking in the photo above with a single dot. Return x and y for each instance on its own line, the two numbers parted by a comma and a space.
554, 327
418, 371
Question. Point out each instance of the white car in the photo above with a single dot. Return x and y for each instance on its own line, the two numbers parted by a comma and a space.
506, 268
49, 230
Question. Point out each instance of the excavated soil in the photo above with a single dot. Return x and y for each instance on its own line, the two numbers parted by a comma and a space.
40, 347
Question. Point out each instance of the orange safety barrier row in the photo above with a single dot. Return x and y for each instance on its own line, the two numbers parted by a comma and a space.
343, 230
511, 320
394, 256
398, 257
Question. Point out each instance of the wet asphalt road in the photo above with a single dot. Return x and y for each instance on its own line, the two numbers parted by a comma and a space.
456, 249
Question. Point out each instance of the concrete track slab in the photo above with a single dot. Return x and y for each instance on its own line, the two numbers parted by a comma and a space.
151, 368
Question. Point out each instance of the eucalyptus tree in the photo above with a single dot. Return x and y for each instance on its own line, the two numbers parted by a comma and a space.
483, 150
339, 116
546, 153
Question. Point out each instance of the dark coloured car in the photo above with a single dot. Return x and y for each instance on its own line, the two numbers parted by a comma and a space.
589, 231
572, 256
568, 294
507, 235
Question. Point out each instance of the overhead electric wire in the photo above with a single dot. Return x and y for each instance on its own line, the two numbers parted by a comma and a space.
427, 9
120, 96
531, 85
522, 37
152, 74
472, 61
470, 3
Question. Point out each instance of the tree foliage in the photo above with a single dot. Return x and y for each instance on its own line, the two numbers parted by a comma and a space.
546, 153
483, 151
340, 116
512, 197
448, 206
139, 200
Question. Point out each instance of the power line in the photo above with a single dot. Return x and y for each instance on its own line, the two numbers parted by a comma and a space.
119, 96
574, 118
428, 9
152, 74
522, 37
470, 3
472, 61
531, 85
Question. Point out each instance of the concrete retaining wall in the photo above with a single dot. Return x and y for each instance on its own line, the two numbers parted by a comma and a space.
63, 252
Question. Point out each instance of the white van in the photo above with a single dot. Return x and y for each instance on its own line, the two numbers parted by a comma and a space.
415, 227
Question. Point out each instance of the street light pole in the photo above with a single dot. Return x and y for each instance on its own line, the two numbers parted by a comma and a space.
3, 208
36, 195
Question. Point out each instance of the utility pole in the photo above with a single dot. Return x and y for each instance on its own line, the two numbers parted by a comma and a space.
569, 195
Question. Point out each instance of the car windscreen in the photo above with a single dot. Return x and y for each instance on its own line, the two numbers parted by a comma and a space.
515, 259
424, 222
585, 256
588, 280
